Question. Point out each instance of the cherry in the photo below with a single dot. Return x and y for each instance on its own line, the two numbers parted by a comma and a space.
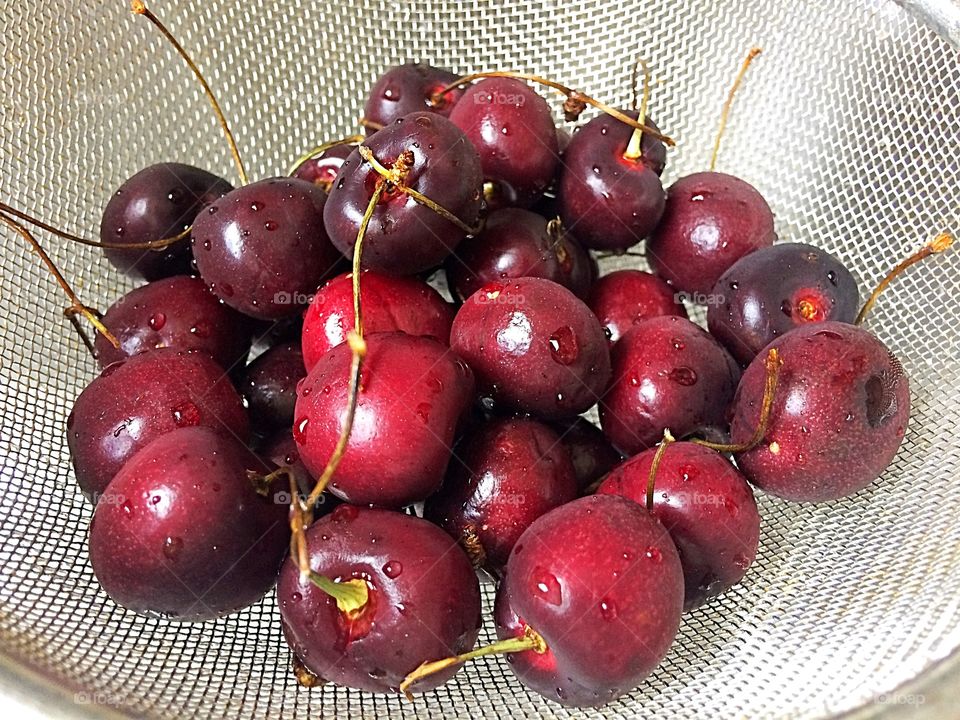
390, 303
322, 169
181, 532
591, 453
707, 507
519, 243
623, 298
609, 200
837, 420
413, 391
161, 201
607, 568
506, 474
429, 155
422, 599
269, 385
668, 373
136, 400
512, 127
406, 89
773, 290
178, 312
263, 249
534, 346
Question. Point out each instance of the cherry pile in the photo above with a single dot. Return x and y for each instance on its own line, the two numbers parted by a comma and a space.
391, 440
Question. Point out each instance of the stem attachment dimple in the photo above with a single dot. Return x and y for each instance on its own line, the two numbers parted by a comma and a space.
942, 242
635, 147
725, 112
655, 465
530, 640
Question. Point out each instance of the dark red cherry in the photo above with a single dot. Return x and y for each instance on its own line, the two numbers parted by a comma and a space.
711, 220
623, 298
413, 391
608, 201
269, 385
667, 373
707, 507
136, 400
534, 347
159, 202
405, 237
390, 304
178, 312
600, 580
263, 248
518, 243
591, 453
409, 88
773, 290
506, 474
512, 127
839, 413
322, 170
423, 600
182, 534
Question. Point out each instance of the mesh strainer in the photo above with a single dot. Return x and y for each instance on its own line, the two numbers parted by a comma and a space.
849, 124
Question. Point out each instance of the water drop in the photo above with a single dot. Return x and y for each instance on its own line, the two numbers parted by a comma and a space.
563, 345
683, 376
186, 414
547, 586
393, 569
157, 321
653, 554
172, 547
608, 610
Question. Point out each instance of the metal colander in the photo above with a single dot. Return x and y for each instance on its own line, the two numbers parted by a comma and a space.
849, 123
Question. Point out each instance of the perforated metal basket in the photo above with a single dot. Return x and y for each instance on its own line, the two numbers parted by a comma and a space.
849, 123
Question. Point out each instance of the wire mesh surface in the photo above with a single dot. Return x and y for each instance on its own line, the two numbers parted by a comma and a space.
849, 123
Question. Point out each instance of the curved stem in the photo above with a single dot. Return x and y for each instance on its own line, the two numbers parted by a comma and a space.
320, 149
575, 104
139, 8
471, 544
530, 640
77, 307
725, 112
772, 363
369, 124
635, 147
655, 465
939, 244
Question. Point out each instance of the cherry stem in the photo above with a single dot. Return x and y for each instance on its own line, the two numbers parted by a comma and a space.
655, 465
635, 147
471, 544
149, 245
725, 112
320, 149
530, 640
940, 243
396, 176
77, 307
573, 107
139, 8
351, 595
369, 124
773, 362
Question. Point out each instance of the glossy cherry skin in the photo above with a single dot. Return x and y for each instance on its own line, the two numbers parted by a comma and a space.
667, 373
178, 312
405, 237
322, 170
534, 346
839, 414
610, 202
410, 88
263, 248
506, 474
512, 127
591, 453
413, 391
705, 504
159, 202
711, 220
136, 400
269, 385
389, 304
606, 567
518, 243
624, 298
773, 290
182, 534
424, 600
